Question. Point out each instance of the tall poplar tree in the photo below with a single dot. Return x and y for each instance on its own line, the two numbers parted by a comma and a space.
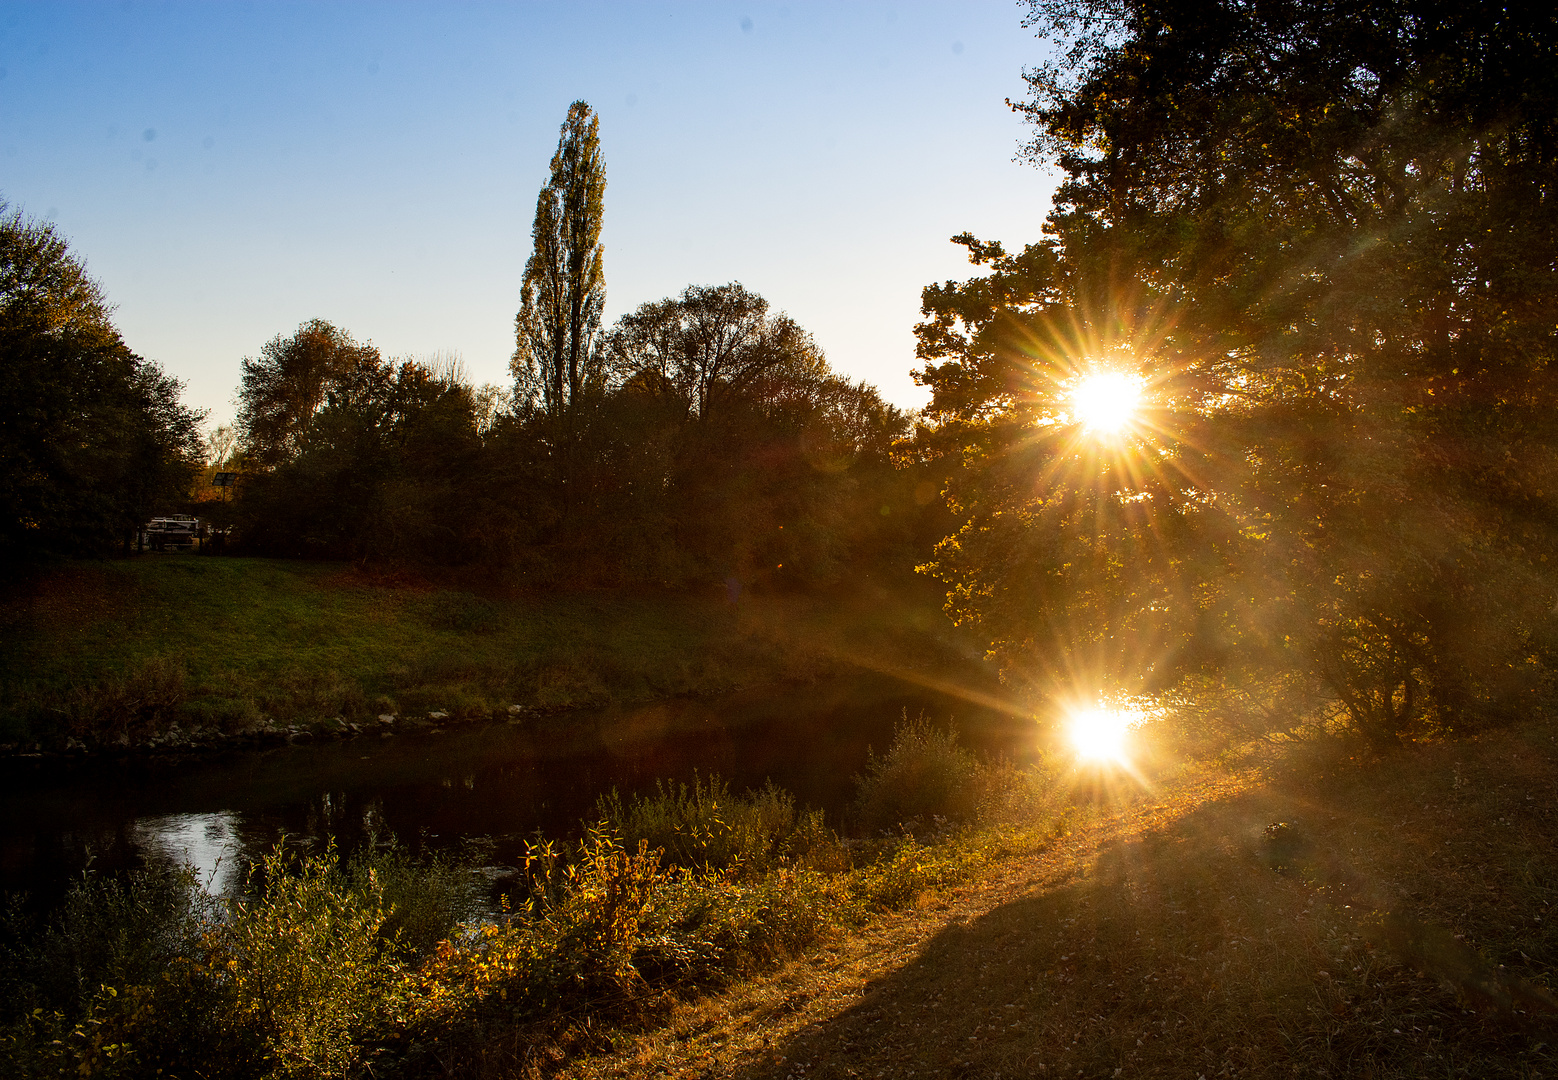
557, 355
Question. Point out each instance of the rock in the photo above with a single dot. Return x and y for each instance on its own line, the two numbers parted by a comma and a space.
515, 710
74, 743
438, 716
386, 718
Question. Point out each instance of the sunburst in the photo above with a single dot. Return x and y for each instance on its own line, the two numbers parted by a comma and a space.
1106, 402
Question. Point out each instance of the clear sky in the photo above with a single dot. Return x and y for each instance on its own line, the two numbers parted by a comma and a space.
229, 170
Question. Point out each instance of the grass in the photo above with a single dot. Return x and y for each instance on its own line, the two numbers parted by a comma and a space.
1399, 925
117, 652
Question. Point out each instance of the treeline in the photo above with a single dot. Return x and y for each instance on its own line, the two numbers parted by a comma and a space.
705, 439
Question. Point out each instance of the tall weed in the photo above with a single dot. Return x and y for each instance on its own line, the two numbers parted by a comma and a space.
924, 776
145, 699
705, 826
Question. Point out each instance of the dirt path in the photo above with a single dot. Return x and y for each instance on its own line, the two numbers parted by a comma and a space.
932, 990
1391, 918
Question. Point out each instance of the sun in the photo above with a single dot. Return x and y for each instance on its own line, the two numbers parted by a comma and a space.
1099, 733
1106, 402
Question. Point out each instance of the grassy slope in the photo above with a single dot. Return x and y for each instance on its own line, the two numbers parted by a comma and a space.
1399, 928
236, 639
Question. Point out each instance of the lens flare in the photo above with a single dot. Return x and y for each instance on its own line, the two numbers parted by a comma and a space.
1099, 734
1106, 402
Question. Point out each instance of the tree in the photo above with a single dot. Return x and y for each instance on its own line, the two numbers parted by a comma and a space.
713, 341
93, 439
751, 459
1321, 232
287, 384
383, 469
556, 358
221, 444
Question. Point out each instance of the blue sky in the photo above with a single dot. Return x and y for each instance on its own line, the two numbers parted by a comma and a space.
230, 170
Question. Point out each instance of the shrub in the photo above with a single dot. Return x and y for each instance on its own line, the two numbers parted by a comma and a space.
308, 966
577, 934
105, 932
114, 983
425, 900
704, 826
923, 776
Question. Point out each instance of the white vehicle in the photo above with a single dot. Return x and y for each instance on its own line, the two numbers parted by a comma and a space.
180, 531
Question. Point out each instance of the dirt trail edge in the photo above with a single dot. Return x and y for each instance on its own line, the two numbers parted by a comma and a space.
1332, 916
857, 1005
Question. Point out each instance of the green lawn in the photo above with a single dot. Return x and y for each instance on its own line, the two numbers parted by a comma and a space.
106, 649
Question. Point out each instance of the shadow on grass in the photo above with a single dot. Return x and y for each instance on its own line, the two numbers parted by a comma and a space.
1219, 946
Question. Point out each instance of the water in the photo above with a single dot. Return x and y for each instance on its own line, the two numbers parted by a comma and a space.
501, 781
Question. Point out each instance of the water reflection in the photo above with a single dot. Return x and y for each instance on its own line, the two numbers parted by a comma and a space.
210, 843
500, 781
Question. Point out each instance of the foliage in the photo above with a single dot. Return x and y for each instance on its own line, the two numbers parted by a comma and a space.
309, 970
707, 827
330, 967
379, 468
557, 358
284, 387
1318, 234
747, 460
710, 342
703, 440
93, 439
923, 781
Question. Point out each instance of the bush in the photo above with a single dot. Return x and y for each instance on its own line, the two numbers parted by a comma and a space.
426, 899
923, 777
706, 827
311, 969
114, 982
105, 932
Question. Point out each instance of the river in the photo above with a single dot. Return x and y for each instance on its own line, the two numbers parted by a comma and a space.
502, 781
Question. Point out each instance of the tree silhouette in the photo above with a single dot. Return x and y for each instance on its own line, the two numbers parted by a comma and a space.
289, 382
1323, 235
93, 438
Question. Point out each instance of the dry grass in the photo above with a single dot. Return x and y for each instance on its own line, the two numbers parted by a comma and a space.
1397, 927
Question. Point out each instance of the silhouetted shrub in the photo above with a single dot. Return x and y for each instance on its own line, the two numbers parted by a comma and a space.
925, 775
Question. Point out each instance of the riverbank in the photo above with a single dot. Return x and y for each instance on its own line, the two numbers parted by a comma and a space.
1319, 914
1310, 912
189, 653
